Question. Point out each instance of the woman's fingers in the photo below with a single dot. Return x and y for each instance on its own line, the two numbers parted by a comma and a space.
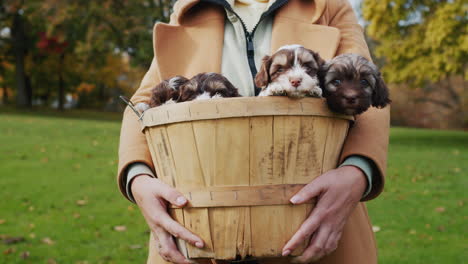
304, 233
316, 248
167, 248
178, 231
311, 190
169, 194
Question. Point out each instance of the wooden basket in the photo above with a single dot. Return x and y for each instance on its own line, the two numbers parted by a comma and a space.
238, 161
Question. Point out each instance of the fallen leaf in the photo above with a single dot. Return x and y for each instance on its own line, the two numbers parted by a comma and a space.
31, 208
135, 246
76, 215
441, 228
456, 170
2, 221
43, 150
25, 255
81, 202
440, 209
131, 208
77, 166
51, 261
32, 225
412, 232
32, 235
48, 241
45, 160
120, 228
428, 226
8, 251
376, 229
13, 240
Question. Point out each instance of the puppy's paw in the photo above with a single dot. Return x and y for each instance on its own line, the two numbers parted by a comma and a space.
142, 107
316, 92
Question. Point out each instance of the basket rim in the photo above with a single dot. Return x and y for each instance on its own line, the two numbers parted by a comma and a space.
237, 107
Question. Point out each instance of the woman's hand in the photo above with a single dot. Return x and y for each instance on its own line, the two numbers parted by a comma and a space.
152, 196
338, 192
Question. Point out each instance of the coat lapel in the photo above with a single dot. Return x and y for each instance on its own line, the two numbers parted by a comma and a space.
191, 44
297, 23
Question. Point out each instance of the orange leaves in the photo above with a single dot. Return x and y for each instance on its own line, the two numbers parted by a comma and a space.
85, 87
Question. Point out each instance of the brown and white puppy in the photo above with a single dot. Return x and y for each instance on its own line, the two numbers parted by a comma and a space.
291, 71
205, 86
167, 91
352, 84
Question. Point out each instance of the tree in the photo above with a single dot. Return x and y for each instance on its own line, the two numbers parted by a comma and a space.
421, 40
424, 45
50, 38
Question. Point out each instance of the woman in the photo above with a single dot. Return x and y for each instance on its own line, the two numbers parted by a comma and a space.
231, 38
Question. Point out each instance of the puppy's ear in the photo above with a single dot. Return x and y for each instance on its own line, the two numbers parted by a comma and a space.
380, 96
322, 74
318, 59
263, 77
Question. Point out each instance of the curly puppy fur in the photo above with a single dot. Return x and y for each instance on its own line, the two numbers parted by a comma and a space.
291, 71
205, 86
180, 89
352, 84
167, 91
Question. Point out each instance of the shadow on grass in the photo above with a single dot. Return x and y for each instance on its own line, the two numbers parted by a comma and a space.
82, 114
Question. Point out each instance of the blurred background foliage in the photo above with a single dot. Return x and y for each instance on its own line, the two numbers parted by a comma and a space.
79, 53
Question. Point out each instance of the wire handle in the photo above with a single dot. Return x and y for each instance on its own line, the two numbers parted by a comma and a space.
132, 106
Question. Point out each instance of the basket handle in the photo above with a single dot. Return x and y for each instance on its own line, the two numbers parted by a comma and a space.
132, 106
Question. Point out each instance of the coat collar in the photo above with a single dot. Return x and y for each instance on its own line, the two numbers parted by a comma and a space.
181, 12
192, 42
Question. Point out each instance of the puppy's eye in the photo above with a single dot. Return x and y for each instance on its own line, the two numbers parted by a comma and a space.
279, 70
336, 82
364, 83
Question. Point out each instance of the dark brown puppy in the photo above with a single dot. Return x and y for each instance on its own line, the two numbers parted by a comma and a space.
205, 86
352, 84
167, 91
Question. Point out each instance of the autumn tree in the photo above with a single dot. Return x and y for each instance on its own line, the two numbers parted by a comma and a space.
68, 36
424, 44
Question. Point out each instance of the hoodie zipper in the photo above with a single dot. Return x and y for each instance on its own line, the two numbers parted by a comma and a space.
249, 35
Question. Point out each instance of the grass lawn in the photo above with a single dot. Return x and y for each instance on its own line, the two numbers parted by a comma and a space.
59, 195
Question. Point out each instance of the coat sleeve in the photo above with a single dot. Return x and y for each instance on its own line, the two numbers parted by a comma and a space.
133, 147
368, 137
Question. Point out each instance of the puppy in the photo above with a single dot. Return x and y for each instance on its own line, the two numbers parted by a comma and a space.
352, 84
167, 91
291, 71
205, 86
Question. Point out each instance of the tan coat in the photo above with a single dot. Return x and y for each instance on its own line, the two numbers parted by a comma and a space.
192, 43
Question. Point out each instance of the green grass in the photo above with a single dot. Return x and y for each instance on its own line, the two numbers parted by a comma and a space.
48, 163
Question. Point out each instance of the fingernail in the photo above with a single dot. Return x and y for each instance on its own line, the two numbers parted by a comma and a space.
286, 252
199, 244
181, 200
295, 199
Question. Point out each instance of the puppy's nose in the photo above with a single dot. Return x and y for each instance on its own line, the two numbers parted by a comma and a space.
295, 81
351, 100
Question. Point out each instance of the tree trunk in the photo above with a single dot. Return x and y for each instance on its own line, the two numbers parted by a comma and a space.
23, 98
61, 91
